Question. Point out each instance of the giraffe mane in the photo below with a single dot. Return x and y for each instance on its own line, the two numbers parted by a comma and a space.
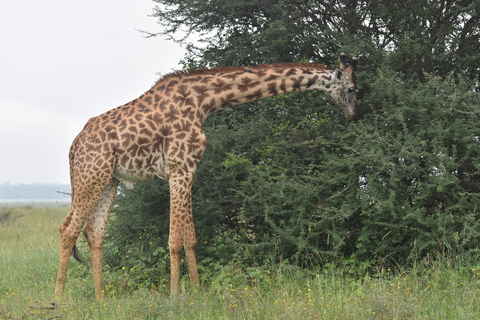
260, 67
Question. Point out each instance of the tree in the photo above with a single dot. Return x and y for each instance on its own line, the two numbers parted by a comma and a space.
414, 36
288, 177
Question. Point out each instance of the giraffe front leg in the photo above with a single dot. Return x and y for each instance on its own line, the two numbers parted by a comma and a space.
182, 232
190, 242
175, 250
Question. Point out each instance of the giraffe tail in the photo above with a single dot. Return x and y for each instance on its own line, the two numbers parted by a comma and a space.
76, 254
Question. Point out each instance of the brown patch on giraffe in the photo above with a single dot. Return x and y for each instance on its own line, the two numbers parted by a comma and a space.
172, 114
163, 105
261, 74
170, 87
283, 86
142, 107
220, 86
147, 99
272, 88
311, 81
246, 84
202, 93
297, 83
147, 132
183, 97
229, 100
209, 107
257, 95
271, 77
291, 72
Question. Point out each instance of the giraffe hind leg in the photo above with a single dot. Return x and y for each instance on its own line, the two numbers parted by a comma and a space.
83, 203
95, 232
69, 231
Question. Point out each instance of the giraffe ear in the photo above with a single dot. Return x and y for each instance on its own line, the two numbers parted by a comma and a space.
338, 73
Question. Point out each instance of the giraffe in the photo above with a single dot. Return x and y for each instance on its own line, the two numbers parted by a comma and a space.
160, 135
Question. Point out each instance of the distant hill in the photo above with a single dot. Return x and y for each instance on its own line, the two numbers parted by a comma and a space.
41, 191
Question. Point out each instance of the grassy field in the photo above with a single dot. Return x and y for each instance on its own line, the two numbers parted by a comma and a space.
29, 241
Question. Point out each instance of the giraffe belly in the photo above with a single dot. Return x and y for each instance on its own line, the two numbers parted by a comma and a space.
130, 177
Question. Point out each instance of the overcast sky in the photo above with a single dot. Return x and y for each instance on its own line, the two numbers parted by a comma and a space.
63, 62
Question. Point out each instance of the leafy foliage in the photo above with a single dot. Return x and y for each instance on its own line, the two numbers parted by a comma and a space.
413, 36
289, 178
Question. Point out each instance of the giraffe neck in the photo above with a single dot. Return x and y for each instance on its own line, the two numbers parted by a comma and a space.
210, 90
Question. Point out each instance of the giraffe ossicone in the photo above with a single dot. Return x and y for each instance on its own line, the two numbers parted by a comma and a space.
160, 135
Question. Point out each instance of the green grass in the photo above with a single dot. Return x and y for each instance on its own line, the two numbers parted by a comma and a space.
29, 241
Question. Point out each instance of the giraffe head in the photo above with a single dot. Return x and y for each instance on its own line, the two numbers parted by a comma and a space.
342, 91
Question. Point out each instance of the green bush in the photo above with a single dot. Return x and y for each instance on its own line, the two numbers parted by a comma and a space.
289, 178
